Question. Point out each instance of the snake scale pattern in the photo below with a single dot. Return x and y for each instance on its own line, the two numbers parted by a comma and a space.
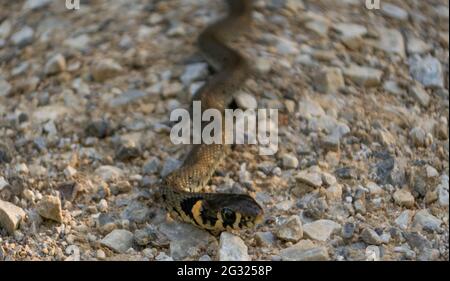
181, 189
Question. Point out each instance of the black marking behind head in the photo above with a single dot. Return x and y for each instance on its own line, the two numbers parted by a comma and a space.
187, 204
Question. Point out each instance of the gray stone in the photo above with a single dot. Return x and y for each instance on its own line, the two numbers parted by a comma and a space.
245, 100
55, 64
23, 37
291, 230
403, 220
419, 94
431, 172
348, 230
372, 253
5, 87
80, 42
151, 166
170, 165
290, 161
232, 248
392, 87
363, 76
150, 235
135, 212
394, 11
186, 240
443, 190
330, 80
263, 65
163, 257
312, 179
105, 69
391, 41
5, 29
350, 30
309, 108
369, 236
320, 230
296, 253
10, 216
418, 136
424, 220
36, 4
109, 173
416, 45
49, 207
427, 71
119, 240
403, 197
286, 47
265, 239
194, 72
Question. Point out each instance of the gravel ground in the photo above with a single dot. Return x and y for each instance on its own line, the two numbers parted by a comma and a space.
362, 168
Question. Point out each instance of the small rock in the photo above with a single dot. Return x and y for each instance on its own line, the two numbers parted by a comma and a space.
136, 212
296, 253
151, 166
350, 30
35, 4
109, 173
80, 42
245, 100
23, 37
205, 258
391, 41
403, 220
102, 205
50, 208
419, 93
320, 230
403, 197
232, 248
371, 237
5, 88
163, 257
394, 11
392, 87
418, 136
105, 69
194, 72
100, 254
286, 47
55, 65
99, 129
348, 230
372, 253
330, 80
119, 240
417, 46
265, 239
170, 165
425, 220
263, 66
5, 29
431, 172
427, 71
364, 76
10, 216
309, 178
291, 230
127, 151
289, 161
69, 171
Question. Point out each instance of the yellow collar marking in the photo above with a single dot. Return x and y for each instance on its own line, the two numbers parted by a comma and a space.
196, 212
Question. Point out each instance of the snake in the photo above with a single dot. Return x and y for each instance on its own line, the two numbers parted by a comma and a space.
182, 188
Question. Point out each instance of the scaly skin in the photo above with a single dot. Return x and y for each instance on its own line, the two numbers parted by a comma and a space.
214, 212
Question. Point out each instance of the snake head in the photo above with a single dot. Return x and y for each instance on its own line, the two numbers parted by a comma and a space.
231, 211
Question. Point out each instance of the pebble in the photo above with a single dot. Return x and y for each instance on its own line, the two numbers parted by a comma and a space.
427, 70
442, 189
194, 72
392, 87
136, 212
309, 178
23, 37
150, 235
291, 230
109, 173
49, 207
5, 88
170, 165
263, 66
330, 80
80, 42
418, 136
394, 11
290, 161
55, 65
151, 166
391, 41
431, 172
295, 253
245, 100
403, 197
74, 253
163, 257
10, 216
350, 30
105, 69
119, 240
232, 248
363, 76
205, 258
265, 239
403, 219
102, 205
348, 230
425, 220
99, 128
286, 47
5, 29
419, 93
35, 4
372, 253
416, 45
69, 171
369, 236
100, 254
320, 230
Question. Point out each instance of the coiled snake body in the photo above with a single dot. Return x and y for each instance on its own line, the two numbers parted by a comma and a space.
181, 194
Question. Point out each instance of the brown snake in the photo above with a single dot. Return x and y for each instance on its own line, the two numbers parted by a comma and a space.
181, 194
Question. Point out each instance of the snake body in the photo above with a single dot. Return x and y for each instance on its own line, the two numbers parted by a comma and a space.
215, 212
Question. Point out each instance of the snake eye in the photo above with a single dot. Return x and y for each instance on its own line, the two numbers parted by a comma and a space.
228, 215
